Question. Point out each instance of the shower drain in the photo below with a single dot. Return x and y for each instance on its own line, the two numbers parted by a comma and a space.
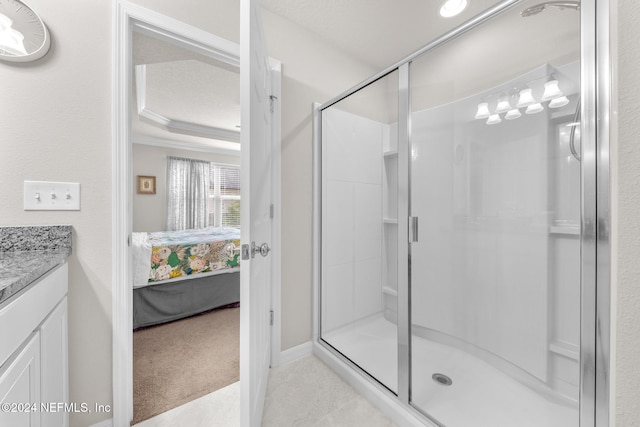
442, 379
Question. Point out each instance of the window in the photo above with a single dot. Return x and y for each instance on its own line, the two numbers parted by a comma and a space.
188, 184
224, 196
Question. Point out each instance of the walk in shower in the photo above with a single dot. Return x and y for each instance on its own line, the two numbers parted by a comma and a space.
453, 230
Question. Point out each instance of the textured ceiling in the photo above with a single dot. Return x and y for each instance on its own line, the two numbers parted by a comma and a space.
194, 91
185, 86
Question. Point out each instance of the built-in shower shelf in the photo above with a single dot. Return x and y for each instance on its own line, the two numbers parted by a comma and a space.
570, 351
390, 220
389, 291
390, 153
571, 230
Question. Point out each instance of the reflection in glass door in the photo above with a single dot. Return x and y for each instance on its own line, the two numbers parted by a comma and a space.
495, 185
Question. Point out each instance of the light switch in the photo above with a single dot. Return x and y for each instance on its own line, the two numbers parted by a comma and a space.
51, 196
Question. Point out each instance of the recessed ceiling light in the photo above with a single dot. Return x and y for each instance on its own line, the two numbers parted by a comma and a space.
452, 7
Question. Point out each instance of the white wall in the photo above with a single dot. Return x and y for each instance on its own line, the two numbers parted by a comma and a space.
626, 216
55, 117
150, 210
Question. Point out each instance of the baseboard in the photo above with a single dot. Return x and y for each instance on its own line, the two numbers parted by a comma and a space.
105, 423
295, 353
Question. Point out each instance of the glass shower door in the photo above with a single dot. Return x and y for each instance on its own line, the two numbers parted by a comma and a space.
359, 228
495, 188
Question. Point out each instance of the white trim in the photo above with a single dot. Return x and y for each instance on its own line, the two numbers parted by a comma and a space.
187, 128
296, 353
217, 147
105, 423
276, 224
316, 218
128, 15
121, 221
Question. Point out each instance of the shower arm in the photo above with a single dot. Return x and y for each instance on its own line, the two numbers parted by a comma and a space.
539, 8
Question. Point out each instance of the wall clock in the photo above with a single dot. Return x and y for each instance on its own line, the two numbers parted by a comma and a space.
23, 35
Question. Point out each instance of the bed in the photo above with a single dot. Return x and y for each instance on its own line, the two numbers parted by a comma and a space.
181, 273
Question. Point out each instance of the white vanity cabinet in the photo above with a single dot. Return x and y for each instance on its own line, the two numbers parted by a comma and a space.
34, 385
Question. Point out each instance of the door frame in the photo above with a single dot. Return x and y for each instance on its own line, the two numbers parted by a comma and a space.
128, 15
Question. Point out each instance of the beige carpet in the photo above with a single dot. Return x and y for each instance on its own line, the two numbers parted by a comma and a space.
180, 361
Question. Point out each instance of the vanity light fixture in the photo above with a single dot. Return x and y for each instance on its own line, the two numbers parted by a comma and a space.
513, 114
551, 91
483, 111
452, 8
494, 119
526, 98
534, 108
503, 105
559, 102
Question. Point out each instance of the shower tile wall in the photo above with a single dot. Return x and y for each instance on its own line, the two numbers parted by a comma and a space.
353, 247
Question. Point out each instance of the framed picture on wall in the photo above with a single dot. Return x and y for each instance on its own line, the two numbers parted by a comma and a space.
146, 184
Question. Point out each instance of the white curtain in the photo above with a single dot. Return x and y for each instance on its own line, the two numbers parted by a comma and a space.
188, 183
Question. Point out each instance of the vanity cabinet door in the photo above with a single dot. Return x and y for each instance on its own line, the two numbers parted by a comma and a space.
20, 386
54, 368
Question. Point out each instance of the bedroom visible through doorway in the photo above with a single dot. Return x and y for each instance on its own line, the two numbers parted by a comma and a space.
186, 232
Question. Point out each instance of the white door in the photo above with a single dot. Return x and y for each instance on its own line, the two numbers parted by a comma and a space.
256, 222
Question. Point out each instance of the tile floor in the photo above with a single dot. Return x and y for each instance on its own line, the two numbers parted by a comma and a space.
302, 393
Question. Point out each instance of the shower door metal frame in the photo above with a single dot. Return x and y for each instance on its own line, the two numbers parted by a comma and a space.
595, 321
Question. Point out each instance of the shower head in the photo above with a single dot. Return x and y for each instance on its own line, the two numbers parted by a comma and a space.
534, 10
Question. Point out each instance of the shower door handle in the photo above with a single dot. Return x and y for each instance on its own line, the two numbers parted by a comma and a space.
413, 229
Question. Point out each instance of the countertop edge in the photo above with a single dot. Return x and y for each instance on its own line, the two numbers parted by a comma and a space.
30, 266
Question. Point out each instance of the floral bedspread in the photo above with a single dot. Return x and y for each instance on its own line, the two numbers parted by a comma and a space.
182, 254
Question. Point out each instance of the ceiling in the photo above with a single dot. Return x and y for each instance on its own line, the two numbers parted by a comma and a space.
378, 33
181, 95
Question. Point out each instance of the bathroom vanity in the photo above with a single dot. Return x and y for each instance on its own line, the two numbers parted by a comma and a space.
34, 385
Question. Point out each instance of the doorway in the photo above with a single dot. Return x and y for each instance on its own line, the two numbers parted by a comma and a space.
186, 316
134, 20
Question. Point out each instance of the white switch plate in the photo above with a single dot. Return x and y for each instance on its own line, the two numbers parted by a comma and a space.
51, 196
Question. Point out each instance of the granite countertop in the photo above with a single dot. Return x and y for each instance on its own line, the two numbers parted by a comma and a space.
27, 253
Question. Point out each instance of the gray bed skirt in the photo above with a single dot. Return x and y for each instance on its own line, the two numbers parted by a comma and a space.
171, 301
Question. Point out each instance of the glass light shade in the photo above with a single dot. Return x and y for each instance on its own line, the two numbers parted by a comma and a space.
513, 114
452, 7
534, 108
526, 98
503, 105
494, 119
559, 102
551, 91
483, 111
